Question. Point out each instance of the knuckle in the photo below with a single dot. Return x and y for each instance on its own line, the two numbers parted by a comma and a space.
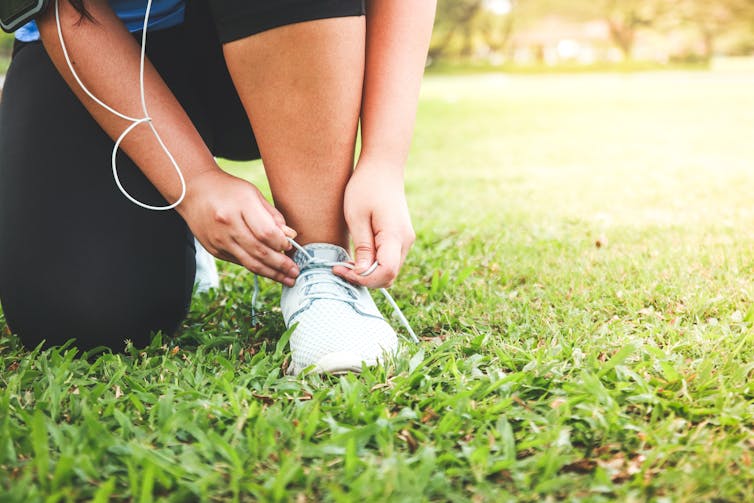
387, 281
362, 247
286, 264
217, 245
221, 216
266, 233
277, 216
232, 259
391, 273
252, 265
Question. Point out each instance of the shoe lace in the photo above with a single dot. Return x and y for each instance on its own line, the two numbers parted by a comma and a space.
314, 264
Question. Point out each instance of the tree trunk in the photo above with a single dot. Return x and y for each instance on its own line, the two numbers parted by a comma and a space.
440, 49
708, 39
624, 37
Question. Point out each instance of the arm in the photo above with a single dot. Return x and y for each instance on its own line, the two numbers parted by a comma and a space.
228, 215
398, 33
397, 39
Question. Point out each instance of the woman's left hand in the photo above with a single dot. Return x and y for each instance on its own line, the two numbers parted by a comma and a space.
378, 219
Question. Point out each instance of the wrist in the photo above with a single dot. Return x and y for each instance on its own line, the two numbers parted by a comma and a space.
195, 180
384, 165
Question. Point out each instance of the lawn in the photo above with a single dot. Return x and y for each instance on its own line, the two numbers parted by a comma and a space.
583, 283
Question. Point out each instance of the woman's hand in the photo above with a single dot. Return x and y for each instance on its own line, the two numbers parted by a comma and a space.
377, 216
228, 215
397, 37
234, 222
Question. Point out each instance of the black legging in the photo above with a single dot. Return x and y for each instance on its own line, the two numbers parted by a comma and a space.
78, 260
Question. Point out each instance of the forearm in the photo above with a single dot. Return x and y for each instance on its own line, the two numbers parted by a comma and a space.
398, 33
106, 58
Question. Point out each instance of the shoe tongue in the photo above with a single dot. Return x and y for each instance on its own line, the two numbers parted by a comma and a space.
322, 252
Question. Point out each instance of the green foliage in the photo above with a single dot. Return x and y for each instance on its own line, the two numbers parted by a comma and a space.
6, 46
6, 42
466, 29
550, 368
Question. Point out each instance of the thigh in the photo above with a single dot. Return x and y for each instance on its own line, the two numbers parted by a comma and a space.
76, 258
301, 86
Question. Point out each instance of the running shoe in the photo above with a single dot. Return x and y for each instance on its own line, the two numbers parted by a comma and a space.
338, 327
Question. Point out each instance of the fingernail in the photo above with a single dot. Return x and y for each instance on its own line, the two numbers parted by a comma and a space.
294, 271
289, 281
289, 232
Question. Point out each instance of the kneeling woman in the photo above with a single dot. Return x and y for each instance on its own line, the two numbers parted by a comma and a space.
79, 260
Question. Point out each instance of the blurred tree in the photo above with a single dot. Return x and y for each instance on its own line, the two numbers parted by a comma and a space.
461, 26
623, 17
465, 28
626, 17
710, 18
713, 18
453, 20
496, 26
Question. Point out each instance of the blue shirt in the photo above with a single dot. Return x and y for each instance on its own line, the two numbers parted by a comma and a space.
163, 14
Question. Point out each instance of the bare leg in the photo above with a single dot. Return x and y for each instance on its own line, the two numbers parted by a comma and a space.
301, 86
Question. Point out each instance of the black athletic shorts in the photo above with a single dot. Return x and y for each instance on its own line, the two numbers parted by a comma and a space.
237, 19
77, 259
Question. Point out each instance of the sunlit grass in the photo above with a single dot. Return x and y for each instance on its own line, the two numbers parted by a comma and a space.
549, 367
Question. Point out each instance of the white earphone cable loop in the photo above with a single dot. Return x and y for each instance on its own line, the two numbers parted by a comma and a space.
135, 122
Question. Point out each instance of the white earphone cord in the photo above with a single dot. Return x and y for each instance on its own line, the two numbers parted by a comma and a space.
135, 122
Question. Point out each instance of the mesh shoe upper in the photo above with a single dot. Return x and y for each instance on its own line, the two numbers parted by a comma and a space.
339, 325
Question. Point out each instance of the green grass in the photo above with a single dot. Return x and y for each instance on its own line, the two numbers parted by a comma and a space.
550, 368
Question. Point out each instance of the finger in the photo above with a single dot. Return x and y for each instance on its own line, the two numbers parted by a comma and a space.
350, 276
265, 230
363, 243
374, 280
257, 267
389, 259
278, 218
404, 254
405, 249
270, 258
389, 262
289, 233
223, 255
274, 212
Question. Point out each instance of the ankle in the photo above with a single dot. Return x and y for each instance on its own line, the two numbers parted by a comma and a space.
304, 240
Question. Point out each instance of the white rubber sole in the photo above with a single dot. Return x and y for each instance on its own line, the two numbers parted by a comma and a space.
340, 362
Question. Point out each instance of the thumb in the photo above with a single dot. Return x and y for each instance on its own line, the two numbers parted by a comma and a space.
363, 244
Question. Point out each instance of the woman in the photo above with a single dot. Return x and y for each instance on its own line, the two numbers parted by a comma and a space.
79, 260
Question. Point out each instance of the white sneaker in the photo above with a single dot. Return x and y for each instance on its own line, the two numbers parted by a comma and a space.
339, 326
206, 270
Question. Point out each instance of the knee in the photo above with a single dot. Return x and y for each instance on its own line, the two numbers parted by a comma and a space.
96, 320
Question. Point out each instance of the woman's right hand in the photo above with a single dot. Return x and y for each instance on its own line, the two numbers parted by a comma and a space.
234, 222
